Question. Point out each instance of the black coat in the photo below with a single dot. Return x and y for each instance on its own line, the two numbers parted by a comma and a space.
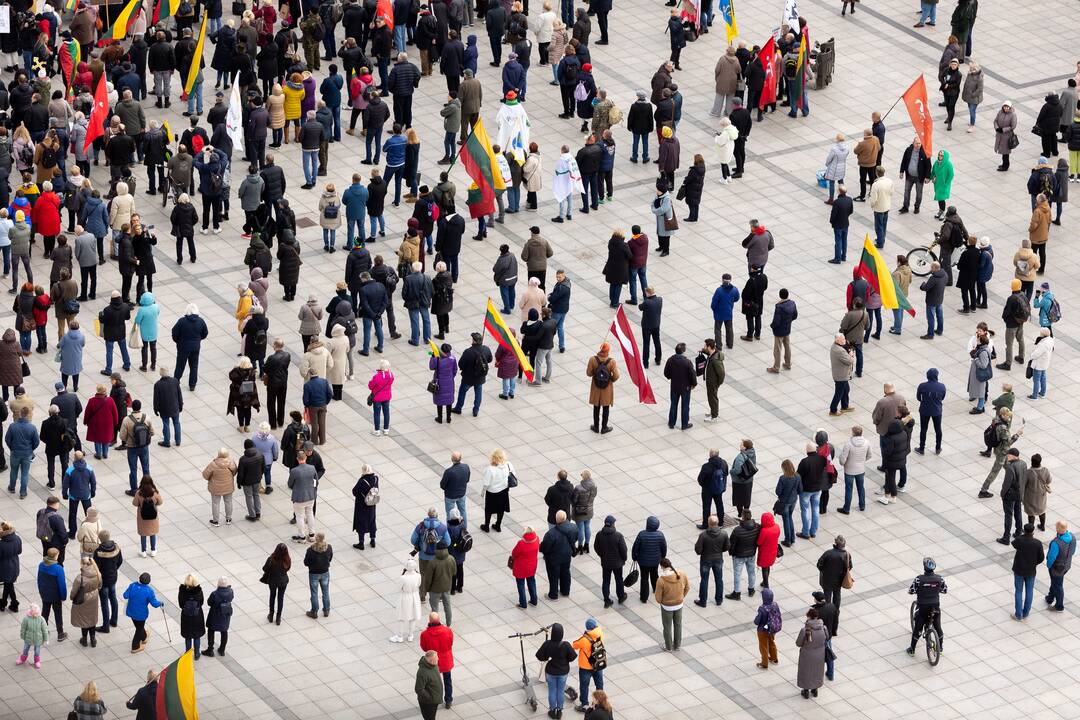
924, 162
832, 566
610, 547
680, 371
249, 468
168, 397
276, 368
453, 59
617, 267
184, 217
289, 262
448, 239
364, 514
220, 609
693, 184
113, 318
442, 293
376, 198
192, 622
640, 119
474, 363
145, 702
373, 299
557, 498
968, 267
895, 446
1029, 555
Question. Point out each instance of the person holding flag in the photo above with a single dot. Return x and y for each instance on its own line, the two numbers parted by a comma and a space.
798, 75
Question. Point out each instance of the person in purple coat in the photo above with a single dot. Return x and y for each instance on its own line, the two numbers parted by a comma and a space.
308, 101
445, 370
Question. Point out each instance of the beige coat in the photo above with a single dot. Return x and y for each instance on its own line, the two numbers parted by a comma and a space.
672, 588
532, 171
1039, 226
339, 353
85, 614
726, 74
275, 105
902, 276
317, 358
121, 208
866, 151
146, 528
17, 403
329, 198
129, 423
532, 298
409, 250
604, 397
1026, 255
89, 533
1036, 488
219, 475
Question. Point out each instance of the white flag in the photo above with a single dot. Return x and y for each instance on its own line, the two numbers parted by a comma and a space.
233, 119
791, 15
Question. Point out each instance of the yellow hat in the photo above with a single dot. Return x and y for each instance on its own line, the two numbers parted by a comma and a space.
667, 132
20, 216
1015, 284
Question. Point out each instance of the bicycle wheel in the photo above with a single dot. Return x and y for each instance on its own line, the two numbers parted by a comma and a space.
919, 261
914, 609
933, 647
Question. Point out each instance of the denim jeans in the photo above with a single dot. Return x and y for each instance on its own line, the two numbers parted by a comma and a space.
1056, 595
449, 144
19, 467
509, 296
513, 198
165, 436
380, 221
382, 410
788, 521
373, 139
397, 173
637, 274
679, 400
110, 607
355, 226
897, 320
1024, 587
399, 37
556, 685
459, 503
644, 137
614, 293
478, 395
881, 223
329, 237
311, 166
1038, 384
971, 113
584, 678
194, 101
857, 482
934, 312
101, 449
566, 206
509, 385
418, 316
521, 583
584, 531
142, 542
737, 564
377, 323
929, 13
840, 243
195, 643
559, 319
874, 314
716, 565
315, 582
123, 354
809, 505
134, 457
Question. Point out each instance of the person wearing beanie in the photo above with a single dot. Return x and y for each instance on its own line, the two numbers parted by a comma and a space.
592, 659
604, 372
140, 597
639, 121
1029, 555
1015, 314
1045, 303
610, 547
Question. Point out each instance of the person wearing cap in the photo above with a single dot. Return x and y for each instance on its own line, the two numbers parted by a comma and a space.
833, 566
587, 646
639, 121
830, 618
1029, 555
1044, 302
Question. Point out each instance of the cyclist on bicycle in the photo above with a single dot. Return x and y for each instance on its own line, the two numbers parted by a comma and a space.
927, 588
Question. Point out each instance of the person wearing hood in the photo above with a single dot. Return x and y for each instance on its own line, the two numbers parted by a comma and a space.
218, 617
934, 287
931, 395
342, 340
439, 638
649, 548
769, 622
942, 176
188, 334
10, 549
1048, 123
557, 654
84, 615
768, 546
439, 575
743, 469
895, 447
257, 255
811, 642
78, 485
1059, 557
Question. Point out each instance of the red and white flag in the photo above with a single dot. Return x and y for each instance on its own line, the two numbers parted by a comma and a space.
624, 335
767, 57
95, 128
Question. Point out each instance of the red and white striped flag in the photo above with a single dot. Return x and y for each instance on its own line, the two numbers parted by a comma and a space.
624, 335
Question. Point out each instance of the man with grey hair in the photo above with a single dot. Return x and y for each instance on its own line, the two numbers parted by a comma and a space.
841, 362
403, 80
311, 137
425, 539
429, 686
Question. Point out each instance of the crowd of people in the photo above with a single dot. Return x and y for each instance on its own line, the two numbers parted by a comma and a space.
79, 99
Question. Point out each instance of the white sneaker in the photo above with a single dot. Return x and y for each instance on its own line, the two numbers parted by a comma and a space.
880, 491
410, 638
711, 419
971, 128
883, 500
386, 431
396, 639
217, 231
142, 553
376, 433
153, 553
902, 489
203, 231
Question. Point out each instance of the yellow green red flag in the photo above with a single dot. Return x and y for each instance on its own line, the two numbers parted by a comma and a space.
495, 325
872, 267
119, 28
197, 58
176, 690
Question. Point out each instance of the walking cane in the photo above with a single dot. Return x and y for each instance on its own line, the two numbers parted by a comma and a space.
165, 617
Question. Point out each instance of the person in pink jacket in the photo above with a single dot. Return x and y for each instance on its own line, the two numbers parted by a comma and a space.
380, 385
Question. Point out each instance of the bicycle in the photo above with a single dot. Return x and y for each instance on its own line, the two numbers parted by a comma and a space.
930, 634
919, 259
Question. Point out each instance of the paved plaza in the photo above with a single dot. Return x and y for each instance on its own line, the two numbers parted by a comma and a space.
344, 667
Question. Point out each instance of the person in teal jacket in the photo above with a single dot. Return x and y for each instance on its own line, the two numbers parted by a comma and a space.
34, 632
147, 320
140, 596
1044, 300
942, 175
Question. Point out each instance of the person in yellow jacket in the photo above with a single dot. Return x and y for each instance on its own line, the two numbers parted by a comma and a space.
294, 95
590, 645
244, 303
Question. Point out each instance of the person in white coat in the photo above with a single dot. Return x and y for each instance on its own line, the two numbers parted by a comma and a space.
881, 203
408, 604
339, 352
316, 361
1040, 363
836, 165
725, 147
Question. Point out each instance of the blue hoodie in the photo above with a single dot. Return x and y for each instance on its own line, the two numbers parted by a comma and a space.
650, 545
79, 482
147, 317
417, 539
52, 585
1052, 551
1044, 302
930, 394
139, 599
764, 612
723, 302
471, 54
95, 217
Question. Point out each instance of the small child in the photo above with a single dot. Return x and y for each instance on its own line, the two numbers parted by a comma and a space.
34, 632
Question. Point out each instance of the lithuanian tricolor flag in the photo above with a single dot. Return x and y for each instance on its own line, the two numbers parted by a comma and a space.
165, 9
176, 690
119, 28
494, 324
872, 267
196, 59
797, 85
434, 348
70, 56
479, 161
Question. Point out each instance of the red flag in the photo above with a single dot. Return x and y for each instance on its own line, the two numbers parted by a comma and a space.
624, 335
385, 10
95, 128
767, 56
919, 111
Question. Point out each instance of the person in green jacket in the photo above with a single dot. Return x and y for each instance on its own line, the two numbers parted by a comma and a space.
942, 175
34, 633
429, 687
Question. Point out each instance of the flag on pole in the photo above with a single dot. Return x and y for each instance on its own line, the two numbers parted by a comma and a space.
727, 11
624, 335
95, 126
797, 85
196, 59
119, 28
69, 5
165, 9
872, 267
767, 57
916, 103
234, 124
168, 132
494, 324
434, 348
384, 9
70, 56
176, 690
791, 14
479, 161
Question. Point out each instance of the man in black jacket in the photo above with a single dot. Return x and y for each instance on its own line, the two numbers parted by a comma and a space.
276, 375
610, 547
639, 121
357, 262
710, 547
557, 548
403, 81
168, 404
416, 293
915, 170
274, 184
496, 20
161, 61
833, 567
448, 240
113, 318
588, 159
1015, 314
830, 618
1029, 555
108, 559
812, 471
311, 137
249, 473
651, 307
680, 371
374, 300
474, 363
154, 147
385, 276
454, 484
188, 334
743, 549
557, 498
740, 118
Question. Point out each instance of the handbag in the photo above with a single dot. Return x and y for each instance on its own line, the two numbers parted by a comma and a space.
511, 479
778, 508
1029, 372
1013, 141
370, 399
849, 581
433, 385
510, 562
25, 369
247, 387
671, 223
1035, 130
632, 576
135, 341
779, 551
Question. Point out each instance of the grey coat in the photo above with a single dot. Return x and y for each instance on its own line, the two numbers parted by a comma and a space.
841, 362
972, 94
1068, 105
310, 317
811, 644
583, 497
976, 388
86, 250
1036, 488
71, 352
250, 193
661, 211
836, 161
1006, 123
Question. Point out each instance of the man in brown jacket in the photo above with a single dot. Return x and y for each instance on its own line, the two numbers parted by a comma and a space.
471, 95
726, 73
885, 411
535, 253
867, 153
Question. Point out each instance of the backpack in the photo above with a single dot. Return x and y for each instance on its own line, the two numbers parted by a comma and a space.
990, 436
580, 504
719, 480
391, 280
597, 653
318, 31
48, 157
185, 8
464, 543
481, 365
197, 143
580, 93
1053, 314
140, 434
43, 529
260, 339
700, 362
775, 622
570, 73
430, 539
350, 327
602, 376
217, 183
147, 509
330, 212
749, 469
301, 438
1046, 185
71, 306
190, 608
372, 497
791, 66
26, 155
1023, 312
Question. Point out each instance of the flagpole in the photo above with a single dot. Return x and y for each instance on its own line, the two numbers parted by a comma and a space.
898, 99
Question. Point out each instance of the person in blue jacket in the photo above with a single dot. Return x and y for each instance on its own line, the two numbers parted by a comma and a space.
513, 77
330, 89
394, 149
421, 545
650, 547
472, 54
723, 304
140, 596
52, 586
930, 395
22, 440
188, 334
986, 271
1043, 301
78, 485
355, 200
1059, 557
559, 302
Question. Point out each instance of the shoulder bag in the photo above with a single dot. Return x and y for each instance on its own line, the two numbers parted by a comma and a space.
632, 576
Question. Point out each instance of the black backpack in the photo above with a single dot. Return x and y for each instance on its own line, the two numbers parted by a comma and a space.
147, 509
465, 542
318, 31
140, 435
602, 376
571, 71
391, 281
1046, 184
700, 363
597, 653
791, 66
191, 608
990, 436
217, 183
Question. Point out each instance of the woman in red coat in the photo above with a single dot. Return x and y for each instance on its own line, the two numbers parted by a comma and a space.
523, 563
45, 216
768, 543
101, 419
